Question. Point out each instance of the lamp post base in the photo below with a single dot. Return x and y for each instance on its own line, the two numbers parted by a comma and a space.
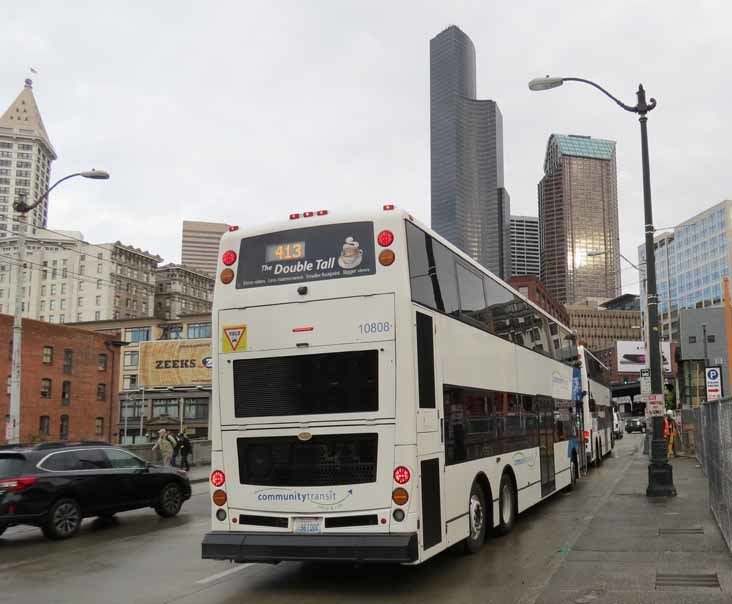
660, 480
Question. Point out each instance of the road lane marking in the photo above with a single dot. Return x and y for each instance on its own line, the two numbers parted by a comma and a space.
225, 573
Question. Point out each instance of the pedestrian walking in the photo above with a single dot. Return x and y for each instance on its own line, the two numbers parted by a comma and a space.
175, 441
185, 450
670, 432
165, 445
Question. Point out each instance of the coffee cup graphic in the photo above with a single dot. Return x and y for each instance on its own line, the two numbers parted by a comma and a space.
351, 254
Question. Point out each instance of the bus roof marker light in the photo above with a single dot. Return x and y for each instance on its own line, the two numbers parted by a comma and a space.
233, 228
228, 257
322, 212
389, 206
308, 214
385, 238
294, 216
301, 329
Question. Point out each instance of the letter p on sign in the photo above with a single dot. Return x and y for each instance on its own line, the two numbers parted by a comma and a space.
234, 338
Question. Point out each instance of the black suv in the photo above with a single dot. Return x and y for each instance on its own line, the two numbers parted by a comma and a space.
55, 485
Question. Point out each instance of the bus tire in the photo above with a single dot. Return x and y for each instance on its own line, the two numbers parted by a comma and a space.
507, 505
477, 519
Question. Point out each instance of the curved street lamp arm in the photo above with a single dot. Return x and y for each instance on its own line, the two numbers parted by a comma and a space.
26, 209
642, 106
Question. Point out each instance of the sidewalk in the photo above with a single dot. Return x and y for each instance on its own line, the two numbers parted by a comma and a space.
632, 549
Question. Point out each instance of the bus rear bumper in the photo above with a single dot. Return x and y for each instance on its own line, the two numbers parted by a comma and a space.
275, 547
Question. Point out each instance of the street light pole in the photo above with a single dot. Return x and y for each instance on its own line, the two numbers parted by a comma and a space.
660, 473
22, 208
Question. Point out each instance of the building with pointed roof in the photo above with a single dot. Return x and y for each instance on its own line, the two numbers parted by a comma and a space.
26, 154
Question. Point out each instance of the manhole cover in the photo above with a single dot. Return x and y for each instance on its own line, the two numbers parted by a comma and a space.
709, 581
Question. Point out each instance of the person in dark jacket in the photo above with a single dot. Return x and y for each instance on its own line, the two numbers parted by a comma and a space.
185, 449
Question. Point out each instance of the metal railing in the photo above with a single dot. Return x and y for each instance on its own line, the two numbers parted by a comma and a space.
712, 434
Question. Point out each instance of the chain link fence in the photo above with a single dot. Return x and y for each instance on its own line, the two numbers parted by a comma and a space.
712, 442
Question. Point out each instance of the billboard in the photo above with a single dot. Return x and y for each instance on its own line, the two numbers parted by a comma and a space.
632, 356
175, 363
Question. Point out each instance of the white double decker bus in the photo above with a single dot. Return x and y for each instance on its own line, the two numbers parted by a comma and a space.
596, 407
378, 395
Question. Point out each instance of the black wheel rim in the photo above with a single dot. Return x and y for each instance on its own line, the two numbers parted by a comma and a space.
171, 499
66, 518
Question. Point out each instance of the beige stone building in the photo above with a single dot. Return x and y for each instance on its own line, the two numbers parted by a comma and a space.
181, 290
599, 324
200, 245
147, 402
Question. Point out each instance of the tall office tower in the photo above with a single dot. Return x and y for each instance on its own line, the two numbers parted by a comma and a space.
525, 255
578, 219
691, 262
470, 207
200, 246
26, 154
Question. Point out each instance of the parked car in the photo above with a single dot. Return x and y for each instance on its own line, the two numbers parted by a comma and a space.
617, 425
55, 485
635, 424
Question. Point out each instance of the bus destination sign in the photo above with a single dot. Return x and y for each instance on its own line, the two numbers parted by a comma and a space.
308, 254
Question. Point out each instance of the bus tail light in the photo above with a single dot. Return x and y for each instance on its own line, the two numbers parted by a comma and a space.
228, 257
400, 496
385, 238
402, 475
386, 258
389, 206
586, 435
220, 515
219, 497
218, 478
227, 276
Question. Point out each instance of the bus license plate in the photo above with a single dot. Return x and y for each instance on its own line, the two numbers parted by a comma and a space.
307, 525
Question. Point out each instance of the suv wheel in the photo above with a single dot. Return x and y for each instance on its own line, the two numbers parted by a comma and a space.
170, 500
63, 521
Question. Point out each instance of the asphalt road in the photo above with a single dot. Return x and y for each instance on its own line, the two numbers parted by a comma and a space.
140, 558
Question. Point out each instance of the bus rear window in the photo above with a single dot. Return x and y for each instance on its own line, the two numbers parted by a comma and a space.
314, 384
314, 253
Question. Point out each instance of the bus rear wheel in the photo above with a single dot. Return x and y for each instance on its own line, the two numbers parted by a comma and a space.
507, 506
573, 472
477, 519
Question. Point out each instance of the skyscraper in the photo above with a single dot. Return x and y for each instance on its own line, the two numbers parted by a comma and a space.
470, 207
578, 219
200, 245
691, 262
525, 256
26, 154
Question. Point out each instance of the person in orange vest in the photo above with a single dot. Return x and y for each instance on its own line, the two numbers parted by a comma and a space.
669, 432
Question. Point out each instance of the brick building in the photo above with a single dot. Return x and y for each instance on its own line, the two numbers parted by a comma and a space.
531, 287
69, 382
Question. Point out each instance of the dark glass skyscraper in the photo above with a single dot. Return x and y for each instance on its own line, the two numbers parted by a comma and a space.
470, 207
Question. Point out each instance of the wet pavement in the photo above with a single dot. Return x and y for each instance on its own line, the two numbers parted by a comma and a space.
599, 544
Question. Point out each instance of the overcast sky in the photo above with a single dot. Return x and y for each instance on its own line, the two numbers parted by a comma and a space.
241, 112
